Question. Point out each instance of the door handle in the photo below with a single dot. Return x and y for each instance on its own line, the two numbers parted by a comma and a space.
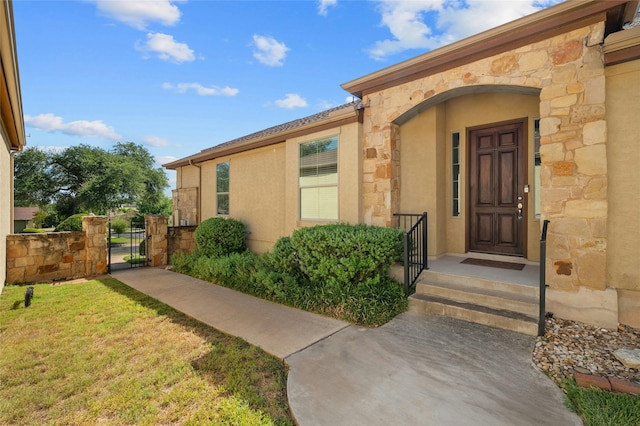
519, 210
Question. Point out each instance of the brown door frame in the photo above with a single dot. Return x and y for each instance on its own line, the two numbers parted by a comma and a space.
523, 163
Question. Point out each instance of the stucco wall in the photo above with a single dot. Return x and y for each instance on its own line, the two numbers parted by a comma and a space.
623, 159
256, 194
5, 205
264, 188
422, 173
425, 171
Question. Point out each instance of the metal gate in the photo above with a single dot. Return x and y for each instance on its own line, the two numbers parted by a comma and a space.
126, 245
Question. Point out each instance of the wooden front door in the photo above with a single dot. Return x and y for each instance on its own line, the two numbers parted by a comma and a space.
497, 162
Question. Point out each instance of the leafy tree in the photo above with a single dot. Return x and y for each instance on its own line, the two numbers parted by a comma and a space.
33, 178
164, 206
84, 178
119, 225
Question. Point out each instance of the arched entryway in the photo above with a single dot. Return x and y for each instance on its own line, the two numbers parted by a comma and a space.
467, 156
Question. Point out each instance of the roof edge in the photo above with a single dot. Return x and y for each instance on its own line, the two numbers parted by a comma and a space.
623, 46
486, 43
10, 95
338, 116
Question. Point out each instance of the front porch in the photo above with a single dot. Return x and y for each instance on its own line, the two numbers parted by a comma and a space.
489, 295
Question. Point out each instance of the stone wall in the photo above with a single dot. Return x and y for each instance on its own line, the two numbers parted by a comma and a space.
568, 70
59, 255
181, 239
185, 206
156, 230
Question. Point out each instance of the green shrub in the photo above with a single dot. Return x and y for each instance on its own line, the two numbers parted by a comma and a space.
342, 255
72, 223
283, 258
355, 288
119, 225
32, 231
218, 236
142, 248
183, 262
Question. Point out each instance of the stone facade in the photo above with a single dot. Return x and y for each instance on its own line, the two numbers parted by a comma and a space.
157, 246
181, 239
568, 71
60, 255
185, 206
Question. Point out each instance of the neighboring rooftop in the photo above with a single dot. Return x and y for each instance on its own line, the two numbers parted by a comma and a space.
24, 213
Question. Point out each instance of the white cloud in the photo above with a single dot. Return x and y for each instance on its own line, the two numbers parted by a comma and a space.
429, 24
84, 128
323, 5
167, 48
291, 101
201, 90
156, 141
139, 13
350, 99
269, 51
164, 159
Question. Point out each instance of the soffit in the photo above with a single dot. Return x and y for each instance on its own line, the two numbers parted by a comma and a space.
10, 97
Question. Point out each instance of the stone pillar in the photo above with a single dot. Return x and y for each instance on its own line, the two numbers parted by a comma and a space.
574, 164
156, 236
95, 229
381, 173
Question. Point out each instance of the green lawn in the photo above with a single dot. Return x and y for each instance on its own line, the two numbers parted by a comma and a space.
100, 352
602, 408
120, 240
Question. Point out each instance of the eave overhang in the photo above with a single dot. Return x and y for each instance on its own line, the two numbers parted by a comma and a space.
334, 119
11, 114
623, 46
559, 19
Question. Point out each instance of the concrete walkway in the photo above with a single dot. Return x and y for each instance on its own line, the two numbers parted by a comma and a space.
415, 370
277, 329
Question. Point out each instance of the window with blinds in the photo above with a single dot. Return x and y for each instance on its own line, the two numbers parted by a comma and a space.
318, 179
222, 188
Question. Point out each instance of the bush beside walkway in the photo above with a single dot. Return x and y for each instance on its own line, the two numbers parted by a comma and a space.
337, 270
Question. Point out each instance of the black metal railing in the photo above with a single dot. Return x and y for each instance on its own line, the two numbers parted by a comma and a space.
415, 247
543, 278
138, 246
109, 246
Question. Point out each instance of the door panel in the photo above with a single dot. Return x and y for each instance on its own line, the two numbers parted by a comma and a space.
496, 179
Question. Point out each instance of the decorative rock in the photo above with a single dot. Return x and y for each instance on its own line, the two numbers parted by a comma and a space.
629, 357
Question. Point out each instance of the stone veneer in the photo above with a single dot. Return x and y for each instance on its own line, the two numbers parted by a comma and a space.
181, 239
58, 255
185, 206
569, 71
156, 228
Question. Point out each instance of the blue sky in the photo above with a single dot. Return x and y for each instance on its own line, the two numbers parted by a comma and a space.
181, 76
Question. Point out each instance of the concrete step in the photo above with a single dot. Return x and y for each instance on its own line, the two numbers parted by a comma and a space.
499, 318
479, 295
430, 276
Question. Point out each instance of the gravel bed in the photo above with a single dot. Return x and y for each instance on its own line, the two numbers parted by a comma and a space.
570, 345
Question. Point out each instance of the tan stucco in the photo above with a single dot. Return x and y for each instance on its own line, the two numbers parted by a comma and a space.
623, 158
263, 185
425, 158
12, 135
5, 205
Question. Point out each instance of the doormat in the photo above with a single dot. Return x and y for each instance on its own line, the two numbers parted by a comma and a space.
494, 264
